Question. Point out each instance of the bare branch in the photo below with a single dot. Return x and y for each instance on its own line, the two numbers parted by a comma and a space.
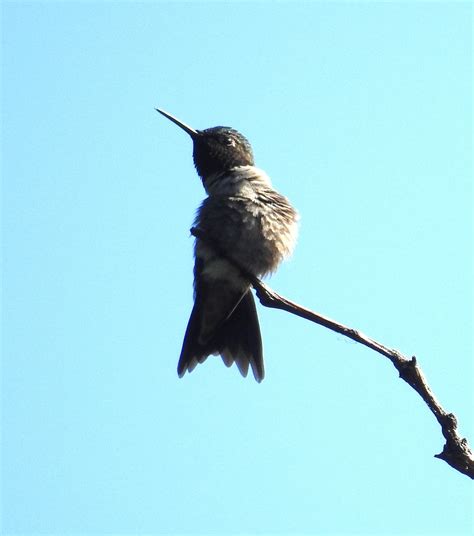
456, 451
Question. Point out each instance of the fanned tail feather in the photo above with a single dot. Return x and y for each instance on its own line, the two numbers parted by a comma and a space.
237, 340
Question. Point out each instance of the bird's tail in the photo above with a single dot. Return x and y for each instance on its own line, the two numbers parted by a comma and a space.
237, 339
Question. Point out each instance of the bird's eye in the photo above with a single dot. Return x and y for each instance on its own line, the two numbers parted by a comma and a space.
229, 141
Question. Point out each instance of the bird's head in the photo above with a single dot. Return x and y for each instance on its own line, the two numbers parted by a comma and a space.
216, 149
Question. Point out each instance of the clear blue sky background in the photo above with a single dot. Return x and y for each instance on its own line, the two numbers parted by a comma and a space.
362, 115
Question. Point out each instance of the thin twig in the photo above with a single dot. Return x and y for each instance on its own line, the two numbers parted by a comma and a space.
456, 451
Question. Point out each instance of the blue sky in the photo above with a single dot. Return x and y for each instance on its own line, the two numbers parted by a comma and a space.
362, 115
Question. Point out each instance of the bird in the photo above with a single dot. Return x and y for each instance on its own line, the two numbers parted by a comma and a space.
245, 218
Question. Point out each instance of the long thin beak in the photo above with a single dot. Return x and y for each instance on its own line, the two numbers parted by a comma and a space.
193, 133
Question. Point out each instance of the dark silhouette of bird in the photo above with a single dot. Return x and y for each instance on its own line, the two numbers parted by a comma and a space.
251, 223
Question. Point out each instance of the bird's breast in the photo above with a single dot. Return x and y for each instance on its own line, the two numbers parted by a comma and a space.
247, 218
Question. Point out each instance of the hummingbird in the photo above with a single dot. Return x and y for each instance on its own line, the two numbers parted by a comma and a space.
252, 224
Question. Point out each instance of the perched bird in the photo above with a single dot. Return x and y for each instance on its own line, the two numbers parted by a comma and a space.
252, 223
